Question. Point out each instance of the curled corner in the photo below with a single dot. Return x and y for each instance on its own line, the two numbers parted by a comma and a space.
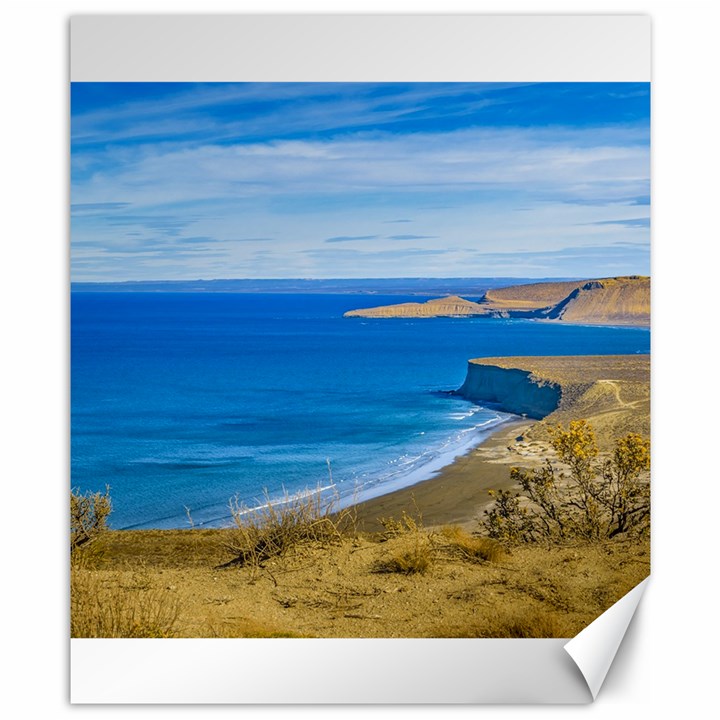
594, 648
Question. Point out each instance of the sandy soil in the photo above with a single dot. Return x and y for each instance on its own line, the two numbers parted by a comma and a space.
166, 584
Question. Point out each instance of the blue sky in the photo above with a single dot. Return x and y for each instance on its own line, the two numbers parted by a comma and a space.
192, 180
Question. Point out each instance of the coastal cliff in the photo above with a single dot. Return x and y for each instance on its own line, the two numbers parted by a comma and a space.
612, 389
515, 390
606, 301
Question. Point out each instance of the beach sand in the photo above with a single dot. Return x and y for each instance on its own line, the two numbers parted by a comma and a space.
458, 493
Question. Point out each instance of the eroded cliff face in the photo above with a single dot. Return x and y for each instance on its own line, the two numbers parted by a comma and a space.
612, 301
516, 391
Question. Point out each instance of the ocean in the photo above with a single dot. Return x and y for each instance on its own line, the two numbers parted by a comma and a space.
182, 402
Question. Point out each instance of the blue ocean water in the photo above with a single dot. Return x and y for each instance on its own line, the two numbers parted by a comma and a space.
186, 400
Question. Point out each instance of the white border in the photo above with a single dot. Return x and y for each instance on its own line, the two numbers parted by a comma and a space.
326, 671
347, 48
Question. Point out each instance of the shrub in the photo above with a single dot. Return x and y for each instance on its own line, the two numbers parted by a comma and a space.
88, 516
627, 494
279, 526
507, 520
590, 499
418, 557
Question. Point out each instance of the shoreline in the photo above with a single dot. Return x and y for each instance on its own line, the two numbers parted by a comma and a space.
430, 471
455, 494
611, 392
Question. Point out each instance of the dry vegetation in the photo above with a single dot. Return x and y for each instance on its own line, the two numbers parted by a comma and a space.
577, 496
123, 605
348, 590
262, 534
89, 514
298, 569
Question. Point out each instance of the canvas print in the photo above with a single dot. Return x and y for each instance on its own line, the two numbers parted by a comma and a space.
358, 360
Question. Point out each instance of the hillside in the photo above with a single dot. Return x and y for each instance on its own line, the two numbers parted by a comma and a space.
529, 297
613, 301
607, 301
167, 584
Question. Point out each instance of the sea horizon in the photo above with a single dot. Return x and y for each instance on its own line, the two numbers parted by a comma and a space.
427, 286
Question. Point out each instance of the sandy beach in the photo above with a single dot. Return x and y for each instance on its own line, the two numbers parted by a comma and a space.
458, 493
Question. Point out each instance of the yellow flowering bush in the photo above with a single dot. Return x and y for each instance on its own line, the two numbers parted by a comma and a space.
579, 496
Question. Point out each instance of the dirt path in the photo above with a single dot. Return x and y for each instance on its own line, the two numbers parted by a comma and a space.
616, 390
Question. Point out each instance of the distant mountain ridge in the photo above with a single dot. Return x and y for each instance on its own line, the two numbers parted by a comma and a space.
621, 300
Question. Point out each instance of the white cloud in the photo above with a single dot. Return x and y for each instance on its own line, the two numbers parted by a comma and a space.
566, 163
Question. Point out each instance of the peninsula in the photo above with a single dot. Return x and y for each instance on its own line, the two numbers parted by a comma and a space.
606, 301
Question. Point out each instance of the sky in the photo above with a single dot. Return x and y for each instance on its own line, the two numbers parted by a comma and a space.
183, 181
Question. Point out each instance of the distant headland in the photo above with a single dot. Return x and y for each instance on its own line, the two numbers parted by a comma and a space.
605, 301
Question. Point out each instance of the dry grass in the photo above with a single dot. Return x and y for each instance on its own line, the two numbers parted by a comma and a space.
406, 524
421, 548
417, 559
525, 622
139, 580
414, 553
130, 608
470, 547
280, 526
